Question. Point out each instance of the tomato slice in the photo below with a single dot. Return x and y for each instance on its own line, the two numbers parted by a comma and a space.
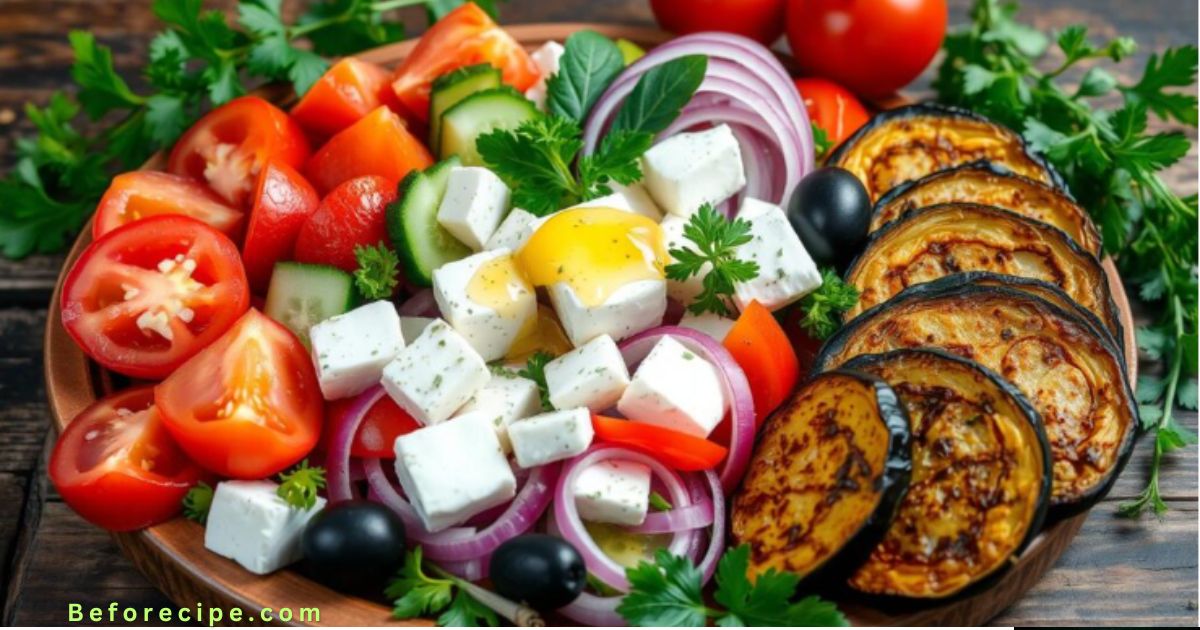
345, 93
145, 297
283, 200
352, 214
140, 194
762, 349
247, 406
379, 144
673, 448
465, 36
384, 422
832, 107
116, 465
230, 145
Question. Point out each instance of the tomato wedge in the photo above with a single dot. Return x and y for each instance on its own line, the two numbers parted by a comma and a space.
145, 297
352, 214
673, 448
344, 94
247, 406
140, 194
230, 145
465, 36
283, 200
762, 349
384, 422
832, 107
116, 465
379, 144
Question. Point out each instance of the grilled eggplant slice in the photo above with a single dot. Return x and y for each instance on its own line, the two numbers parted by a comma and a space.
980, 480
908, 143
956, 237
1073, 376
993, 185
826, 478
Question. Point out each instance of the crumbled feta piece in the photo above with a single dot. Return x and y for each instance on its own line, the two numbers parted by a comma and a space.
435, 374
474, 205
688, 170
249, 524
551, 436
593, 376
492, 276
675, 388
505, 399
710, 324
613, 491
631, 309
350, 350
786, 272
546, 59
514, 230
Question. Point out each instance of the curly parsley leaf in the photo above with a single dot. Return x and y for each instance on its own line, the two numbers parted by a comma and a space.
535, 370
666, 593
416, 594
823, 307
299, 486
378, 272
589, 64
197, 502
535, 161
716, 240
617, 160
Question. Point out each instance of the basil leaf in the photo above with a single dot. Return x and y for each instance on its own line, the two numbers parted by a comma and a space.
660, 94
589, 64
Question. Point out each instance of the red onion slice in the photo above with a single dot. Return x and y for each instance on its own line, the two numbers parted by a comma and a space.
716, 540
420, 304
339, 486
695, 516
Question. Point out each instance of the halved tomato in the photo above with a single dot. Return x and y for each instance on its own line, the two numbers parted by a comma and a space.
345, 93
140, 194
352, 214
465, 37
673, 448
230, 145
117, 467
383, 423
282, 200
248, 406
379, 144
145, 297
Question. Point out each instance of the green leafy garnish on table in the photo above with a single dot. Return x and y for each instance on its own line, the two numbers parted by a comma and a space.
823, 307
378, 272
416, 594
669, 592
299, 486
197, 502
535, 370
1111, 162
716, 240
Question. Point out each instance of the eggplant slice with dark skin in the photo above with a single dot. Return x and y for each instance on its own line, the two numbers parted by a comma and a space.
1073, 376
980, 482
993, 185
908, 143
828, 473
957, 237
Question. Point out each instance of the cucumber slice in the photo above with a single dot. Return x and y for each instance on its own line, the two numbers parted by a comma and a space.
479, 113
453, 87
422, 242
302, 295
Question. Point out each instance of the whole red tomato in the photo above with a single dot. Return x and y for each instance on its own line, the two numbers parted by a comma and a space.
757, 19
873, 47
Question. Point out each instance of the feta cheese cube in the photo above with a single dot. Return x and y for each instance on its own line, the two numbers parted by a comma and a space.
350, 350
593, 376
632, 198
710, 324
550, 437
688, 170
631, 309
786, 272
486, 299
613, 491
435, 375
675, 388
546, 59
474, 204
514, 230
249, 524
682, 291
505, 399
412, 327
454, 470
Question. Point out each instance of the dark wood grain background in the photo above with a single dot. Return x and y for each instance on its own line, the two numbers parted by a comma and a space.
1117, 572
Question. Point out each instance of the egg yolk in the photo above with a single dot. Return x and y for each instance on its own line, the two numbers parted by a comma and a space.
497, 285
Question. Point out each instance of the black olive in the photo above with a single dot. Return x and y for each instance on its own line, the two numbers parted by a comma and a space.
831, 212
543, 571
354, 546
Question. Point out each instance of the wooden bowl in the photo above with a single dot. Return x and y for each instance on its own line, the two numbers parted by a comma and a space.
173, 557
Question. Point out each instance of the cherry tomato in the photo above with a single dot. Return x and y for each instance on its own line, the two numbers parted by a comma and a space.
465, 36
344, 94
352, 214
282, 200
247, 406
139, 194
229, 146
673, 448
379, 144
832, 107
116, 465
384, 422
761, 20
146, 296
873, 47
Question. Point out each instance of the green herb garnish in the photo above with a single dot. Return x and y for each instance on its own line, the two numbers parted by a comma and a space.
823, 307
659, 503
299, 486
716, 239
197, 502
416, 594
535, 370
590, 62
378, 271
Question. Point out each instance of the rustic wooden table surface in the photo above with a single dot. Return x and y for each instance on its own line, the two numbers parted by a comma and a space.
1117, 572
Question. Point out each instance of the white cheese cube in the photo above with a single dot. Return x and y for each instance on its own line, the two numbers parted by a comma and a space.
546, 59
454, 470
675, 388
688, 170
631, 309
593, 376
682, 291
486, 299
412, 327
613, 491
249, 524
710, 324
474, 204
632, 198
514, 230
786, 272
550, 437
505, 399
350, 350
435, 375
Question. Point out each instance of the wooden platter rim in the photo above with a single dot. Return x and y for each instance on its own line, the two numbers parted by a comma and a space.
173, 557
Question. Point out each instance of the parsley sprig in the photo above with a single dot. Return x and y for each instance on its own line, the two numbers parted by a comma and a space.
197, 502
823, 307
716, 240
535, 370
417, 594
378, 272
1111, 163
299, 486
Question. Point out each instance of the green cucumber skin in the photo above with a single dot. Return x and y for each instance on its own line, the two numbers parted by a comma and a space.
480, 113
450, 89
409, 223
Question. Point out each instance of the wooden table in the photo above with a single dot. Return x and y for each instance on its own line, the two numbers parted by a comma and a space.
1117, 572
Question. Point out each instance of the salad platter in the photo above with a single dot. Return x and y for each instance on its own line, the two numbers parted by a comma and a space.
173, 554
